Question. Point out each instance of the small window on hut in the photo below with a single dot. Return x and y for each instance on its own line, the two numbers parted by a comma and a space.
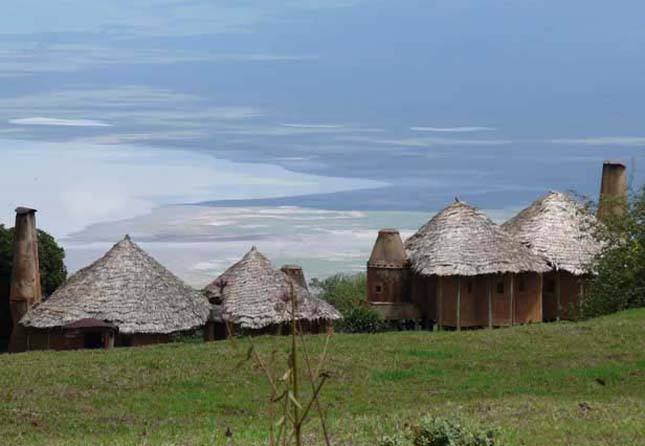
521, 285
500, 287
378, 288
549, 286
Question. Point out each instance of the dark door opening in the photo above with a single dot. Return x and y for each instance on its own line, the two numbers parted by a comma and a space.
93, 340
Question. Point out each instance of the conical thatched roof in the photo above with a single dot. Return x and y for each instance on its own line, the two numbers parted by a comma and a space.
254, 295
460, 240
558, 228
388, 251
127, 288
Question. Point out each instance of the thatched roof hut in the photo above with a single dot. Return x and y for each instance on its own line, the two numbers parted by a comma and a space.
462, 241
473, 272
558, 228
127, 288
254, 295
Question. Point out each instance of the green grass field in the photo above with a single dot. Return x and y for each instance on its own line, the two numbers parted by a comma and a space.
547, 384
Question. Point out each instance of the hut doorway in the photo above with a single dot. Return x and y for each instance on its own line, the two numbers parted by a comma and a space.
93, 340
550, 297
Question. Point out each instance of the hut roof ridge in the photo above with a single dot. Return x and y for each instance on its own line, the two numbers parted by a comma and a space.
461, 240
254, 295
559, 228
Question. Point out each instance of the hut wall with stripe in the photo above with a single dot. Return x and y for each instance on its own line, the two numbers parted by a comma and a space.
472, 273
562, 294
493, 300
424, 295
76, 339
561, 230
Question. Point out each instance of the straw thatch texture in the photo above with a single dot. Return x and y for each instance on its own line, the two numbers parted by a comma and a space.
127, 288
254, 295
558, 228
460, 240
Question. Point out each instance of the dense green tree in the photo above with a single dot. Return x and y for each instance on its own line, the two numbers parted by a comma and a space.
343, 291
51, 257
619, 282
6, 241
348, 293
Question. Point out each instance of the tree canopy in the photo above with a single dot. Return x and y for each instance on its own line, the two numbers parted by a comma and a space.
51, 257
619, 282
345, 292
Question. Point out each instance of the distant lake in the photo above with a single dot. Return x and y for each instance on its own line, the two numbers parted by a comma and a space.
199, 213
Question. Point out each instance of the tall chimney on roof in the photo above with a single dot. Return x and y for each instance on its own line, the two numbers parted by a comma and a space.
613, 190
296, 273
25, 275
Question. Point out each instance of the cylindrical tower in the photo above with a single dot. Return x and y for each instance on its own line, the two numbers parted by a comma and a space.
25, 274
613, 190
388, 271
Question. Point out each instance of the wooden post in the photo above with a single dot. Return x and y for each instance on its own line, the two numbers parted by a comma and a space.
458, 303
440, 304
490, 303
512, 295
557, 295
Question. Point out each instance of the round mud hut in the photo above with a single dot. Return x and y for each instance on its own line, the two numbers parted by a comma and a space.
253, 297
473, 273
561, 230
125, 298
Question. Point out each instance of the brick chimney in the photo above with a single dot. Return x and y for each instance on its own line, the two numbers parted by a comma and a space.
613, 190
296, 273
25, 275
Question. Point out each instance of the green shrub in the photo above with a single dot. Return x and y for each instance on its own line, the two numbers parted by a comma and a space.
619, 282
437, 431
392, 440
361, 320
345, 292
50, 255
188, 337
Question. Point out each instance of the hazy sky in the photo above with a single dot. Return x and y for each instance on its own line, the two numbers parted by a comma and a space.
404, 103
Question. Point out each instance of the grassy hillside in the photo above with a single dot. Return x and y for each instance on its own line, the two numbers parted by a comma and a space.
555, 384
